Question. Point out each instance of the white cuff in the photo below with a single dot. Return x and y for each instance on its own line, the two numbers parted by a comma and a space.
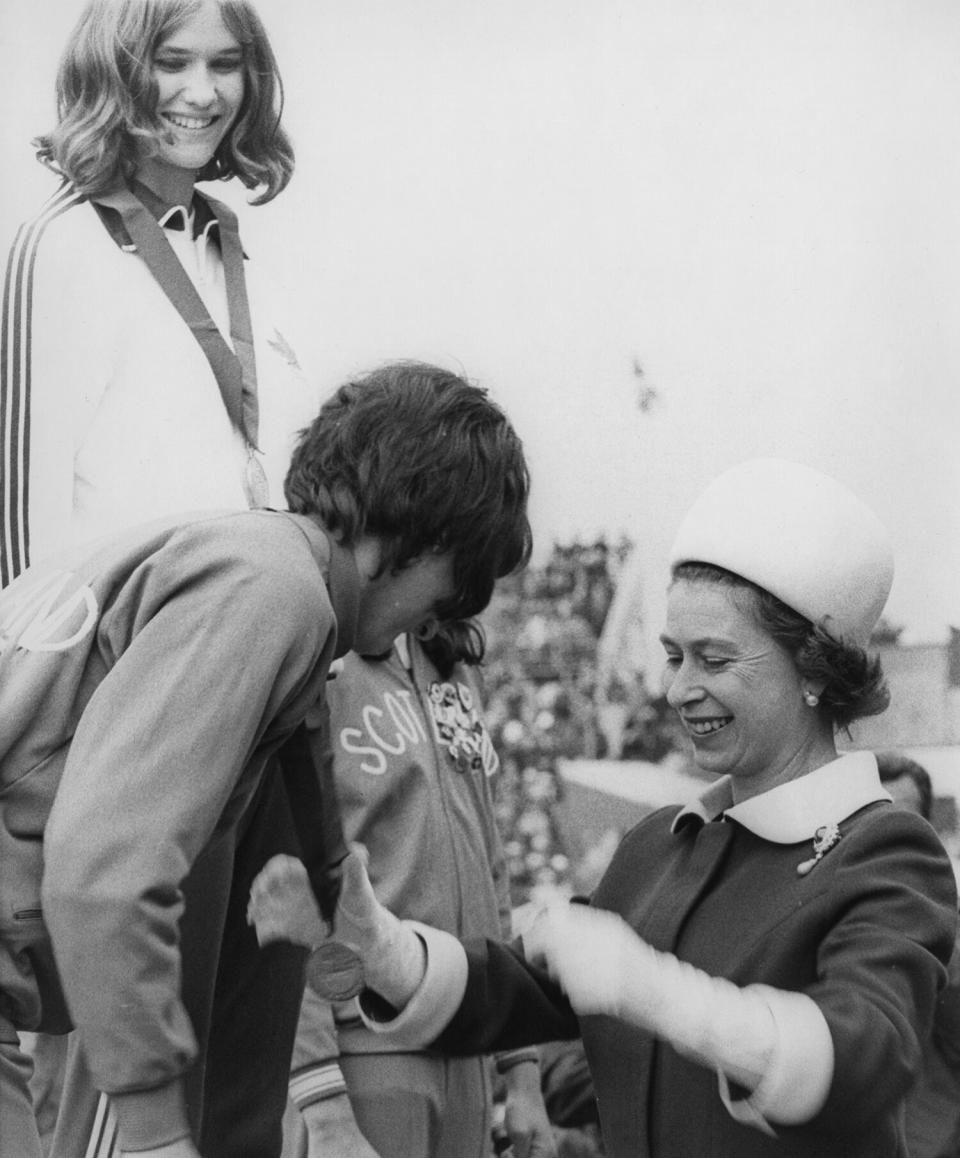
437, 998
800, 1073
797, 1079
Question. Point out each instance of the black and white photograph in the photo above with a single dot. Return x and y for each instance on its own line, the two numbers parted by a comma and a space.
480, 579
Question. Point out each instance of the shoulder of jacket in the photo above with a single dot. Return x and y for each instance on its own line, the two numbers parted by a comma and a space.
882, 823
65, 242
272, 539
258, 562
65, 211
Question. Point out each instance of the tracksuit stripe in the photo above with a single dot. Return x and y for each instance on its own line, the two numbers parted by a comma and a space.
316, 1083
103, 1137
16, 335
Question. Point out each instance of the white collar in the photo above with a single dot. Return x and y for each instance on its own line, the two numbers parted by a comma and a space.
792, 812
183, 219
402, 647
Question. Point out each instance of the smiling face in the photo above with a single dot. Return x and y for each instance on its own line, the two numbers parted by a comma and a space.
199, 73
737, 691
402, 601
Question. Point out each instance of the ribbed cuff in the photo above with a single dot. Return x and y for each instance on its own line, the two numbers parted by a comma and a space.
147, 1119
437, 999
514, 1057
315, 1084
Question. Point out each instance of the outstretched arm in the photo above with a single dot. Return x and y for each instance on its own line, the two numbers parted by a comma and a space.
283, 907
773, 1043
459, 999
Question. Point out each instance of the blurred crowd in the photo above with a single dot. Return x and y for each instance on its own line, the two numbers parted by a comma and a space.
547, 700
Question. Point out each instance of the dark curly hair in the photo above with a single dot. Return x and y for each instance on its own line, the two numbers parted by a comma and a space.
456, 641
853, 682
422, 459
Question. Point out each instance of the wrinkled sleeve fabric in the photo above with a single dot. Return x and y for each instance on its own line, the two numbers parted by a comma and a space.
881, 965
476, 997
507, 1004
56, 350
207, 648
946, 1028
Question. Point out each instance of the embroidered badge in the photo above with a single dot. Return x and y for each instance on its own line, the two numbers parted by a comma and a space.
824, 839
459, 728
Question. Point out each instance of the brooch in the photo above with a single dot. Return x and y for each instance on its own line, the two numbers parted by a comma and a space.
826, 836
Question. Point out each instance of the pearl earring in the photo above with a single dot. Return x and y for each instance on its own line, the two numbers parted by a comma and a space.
811, 699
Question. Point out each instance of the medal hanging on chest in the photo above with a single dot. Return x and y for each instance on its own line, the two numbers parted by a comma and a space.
232, 363
255, 486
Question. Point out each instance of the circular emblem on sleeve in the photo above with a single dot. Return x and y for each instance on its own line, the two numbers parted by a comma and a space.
335, 971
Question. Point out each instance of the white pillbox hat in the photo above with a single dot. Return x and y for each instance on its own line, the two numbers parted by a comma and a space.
800, 535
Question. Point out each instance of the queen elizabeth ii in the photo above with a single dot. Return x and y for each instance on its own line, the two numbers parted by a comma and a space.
757, 971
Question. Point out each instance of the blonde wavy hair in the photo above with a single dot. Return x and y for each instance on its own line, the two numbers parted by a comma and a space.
107, 99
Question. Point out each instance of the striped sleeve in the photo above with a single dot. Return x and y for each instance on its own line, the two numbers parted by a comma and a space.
316, 1084
315, 1070
16, 383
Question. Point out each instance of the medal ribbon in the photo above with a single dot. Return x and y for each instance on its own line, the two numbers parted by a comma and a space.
235, 370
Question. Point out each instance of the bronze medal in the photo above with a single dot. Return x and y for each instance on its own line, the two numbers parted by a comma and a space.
335, 971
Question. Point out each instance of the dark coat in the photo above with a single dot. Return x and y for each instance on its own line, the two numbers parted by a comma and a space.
865, 934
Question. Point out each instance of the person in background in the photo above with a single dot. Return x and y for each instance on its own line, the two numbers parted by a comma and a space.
144, 686
933, 1107
415, 772
141, 369
570, 1099
757, 972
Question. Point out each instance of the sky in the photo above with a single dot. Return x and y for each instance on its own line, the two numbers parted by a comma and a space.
755, 201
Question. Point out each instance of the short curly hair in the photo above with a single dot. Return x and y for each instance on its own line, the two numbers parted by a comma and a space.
853, 682
425, 461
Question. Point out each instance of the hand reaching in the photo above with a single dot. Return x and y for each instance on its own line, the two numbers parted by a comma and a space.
605, 967
525, 1115
587, 951
282, 906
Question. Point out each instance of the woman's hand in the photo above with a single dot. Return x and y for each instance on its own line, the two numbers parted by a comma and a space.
282, 907
587, 952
